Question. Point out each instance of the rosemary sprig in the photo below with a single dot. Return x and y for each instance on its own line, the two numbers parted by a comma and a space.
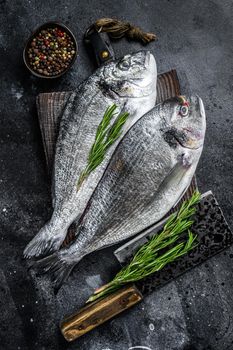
152, 256
106, 135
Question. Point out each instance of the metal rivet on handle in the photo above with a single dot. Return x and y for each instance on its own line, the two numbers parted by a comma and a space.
104, 54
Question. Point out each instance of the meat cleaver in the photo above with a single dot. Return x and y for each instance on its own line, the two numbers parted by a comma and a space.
214, 236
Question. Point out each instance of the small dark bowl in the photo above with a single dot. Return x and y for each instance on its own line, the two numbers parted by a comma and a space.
34, 34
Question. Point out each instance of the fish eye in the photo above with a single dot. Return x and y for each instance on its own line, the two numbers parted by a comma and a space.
124, 65
184, 110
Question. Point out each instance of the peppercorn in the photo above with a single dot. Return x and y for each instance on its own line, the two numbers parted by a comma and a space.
51, 51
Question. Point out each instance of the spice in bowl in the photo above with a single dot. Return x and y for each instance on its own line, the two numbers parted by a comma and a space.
50, 51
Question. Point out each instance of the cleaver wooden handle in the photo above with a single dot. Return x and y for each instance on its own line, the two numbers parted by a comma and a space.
99, 312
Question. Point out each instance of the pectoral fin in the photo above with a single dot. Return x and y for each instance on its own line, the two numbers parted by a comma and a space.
177, 173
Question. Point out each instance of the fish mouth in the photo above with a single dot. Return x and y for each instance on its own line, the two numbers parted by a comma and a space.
142, 58
148, 82
150, 63
148, 56
196, 101
201, 107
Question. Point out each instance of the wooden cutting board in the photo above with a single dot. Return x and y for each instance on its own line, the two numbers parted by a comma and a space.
50, 107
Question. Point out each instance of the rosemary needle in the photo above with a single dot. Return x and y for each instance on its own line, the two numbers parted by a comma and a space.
106, 135
153, 256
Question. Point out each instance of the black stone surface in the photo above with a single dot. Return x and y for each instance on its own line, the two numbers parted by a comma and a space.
193, 313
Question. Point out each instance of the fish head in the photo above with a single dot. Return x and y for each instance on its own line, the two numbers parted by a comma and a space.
186, 121
134, 75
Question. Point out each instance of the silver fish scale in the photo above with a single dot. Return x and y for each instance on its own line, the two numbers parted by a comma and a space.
73, 149
69, 164
69, 161
80, 120
145, 178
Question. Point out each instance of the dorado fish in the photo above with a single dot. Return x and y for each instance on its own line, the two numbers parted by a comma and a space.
129, 83
147, 175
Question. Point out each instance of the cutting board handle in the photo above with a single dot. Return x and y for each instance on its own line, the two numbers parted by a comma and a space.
94, 314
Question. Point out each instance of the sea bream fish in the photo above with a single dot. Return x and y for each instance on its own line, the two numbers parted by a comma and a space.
148, 173
130, 84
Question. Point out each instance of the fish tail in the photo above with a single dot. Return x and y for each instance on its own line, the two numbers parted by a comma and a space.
47, 240
57, 268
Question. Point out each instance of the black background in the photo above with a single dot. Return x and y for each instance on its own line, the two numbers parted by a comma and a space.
192, 313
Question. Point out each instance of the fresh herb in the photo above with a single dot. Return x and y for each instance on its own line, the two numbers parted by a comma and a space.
147, 260
106, 135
